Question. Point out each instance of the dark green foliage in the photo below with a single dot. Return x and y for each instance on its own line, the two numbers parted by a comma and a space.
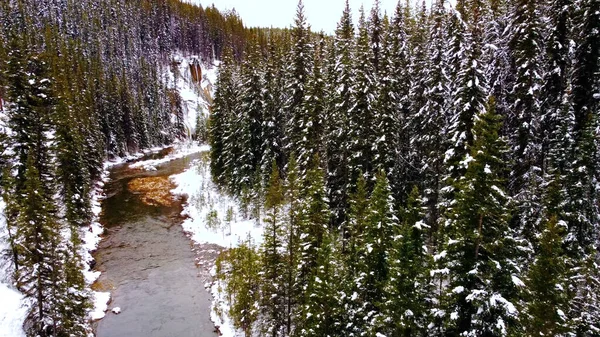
272, 259
480, 247
410, 264
313, 226
243, 267
463, 209
547, 284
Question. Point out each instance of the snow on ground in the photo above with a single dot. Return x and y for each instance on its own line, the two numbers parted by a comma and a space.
180, 150
214, 218
221, 305
91, 237
101, 300
12, 312
13, 308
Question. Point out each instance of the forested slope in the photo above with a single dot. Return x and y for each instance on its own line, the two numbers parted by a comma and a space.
80, 82
439, 169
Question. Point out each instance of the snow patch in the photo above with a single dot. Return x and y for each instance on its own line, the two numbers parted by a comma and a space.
101, 300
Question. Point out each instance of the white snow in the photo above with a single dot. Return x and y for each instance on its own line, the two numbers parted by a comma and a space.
13, 308
517, 281
458, 289
204, 198
116, 310
12, 312
181, 150
192, 94
101, 300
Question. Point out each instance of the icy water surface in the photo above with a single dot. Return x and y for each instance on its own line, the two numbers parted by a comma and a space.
147, 264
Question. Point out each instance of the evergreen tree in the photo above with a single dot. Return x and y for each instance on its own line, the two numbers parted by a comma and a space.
547, 284
243, 285
374, 260
526, 177
323, 309
312, 228
312, 141
480, 255
273, 123
293, 289
223, 105
251, 116
400, 81
273, 280
354, 244
338, 154
40, 253
583, 195
300, 71
410, 264
430, 120
362, 111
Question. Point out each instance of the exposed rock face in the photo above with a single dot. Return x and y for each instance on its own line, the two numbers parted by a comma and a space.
196, 71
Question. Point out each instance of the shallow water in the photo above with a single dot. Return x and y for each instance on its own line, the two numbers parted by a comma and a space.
147, 264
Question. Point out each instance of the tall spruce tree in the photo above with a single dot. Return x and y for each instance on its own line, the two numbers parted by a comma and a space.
374, 255
410, 265
223, 105
300, 70
524, 117
273, 281
480, 255
311, 231
338, 154
362, 112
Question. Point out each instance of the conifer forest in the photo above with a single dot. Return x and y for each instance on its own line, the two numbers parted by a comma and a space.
434, 171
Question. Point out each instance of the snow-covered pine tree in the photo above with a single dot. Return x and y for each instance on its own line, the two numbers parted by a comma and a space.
386, 120
236, 138
400, 80
376, 36
374, 254
299, 72
417, 91
547, 296
250, 118
409, 273
585, 172
430, 142
40, 254
480, 248
469, 92
362, 112
293, 291
273, 123
314, 110
313, 226
353, 250
338, 154
272, 258
583, 175
221, 109
555, 81
323, 310
525, 116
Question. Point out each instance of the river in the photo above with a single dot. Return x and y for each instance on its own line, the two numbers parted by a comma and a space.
147, 263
